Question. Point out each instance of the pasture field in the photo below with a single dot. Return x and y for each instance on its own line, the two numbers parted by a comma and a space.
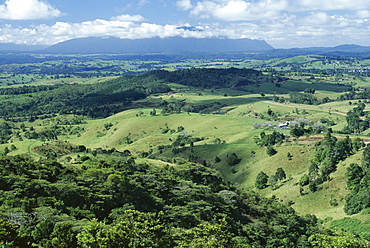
222, 135
241, 116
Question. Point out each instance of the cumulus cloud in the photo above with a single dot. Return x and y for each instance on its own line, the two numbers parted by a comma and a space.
272, 20
316, 18
61, 31
238, 10
27, 10
289, 30
129, 18
249, 10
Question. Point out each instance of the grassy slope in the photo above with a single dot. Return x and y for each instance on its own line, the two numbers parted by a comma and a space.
236, 129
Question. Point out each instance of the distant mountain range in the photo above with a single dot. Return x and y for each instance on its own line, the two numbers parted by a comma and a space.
349, 50
111, 45
10, 47
258, 49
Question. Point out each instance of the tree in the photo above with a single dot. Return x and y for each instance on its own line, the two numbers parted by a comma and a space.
138, 229
271, 151
337, 239
273, 180
313, 187
305, 180
6, 150
366, 156
207, 236
358, 143
153, 112
269, 139
297, 131
43, 230
62, 236
93, 235
354, 175
232, 159
261, 180
280, 174
289, 156
310, 90
8, 231
217, 159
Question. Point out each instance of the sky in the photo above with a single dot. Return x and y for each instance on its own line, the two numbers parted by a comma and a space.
281, 23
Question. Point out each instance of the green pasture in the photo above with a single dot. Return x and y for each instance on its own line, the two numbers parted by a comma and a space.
221, 134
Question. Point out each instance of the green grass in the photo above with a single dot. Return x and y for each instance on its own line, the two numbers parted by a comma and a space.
235, 130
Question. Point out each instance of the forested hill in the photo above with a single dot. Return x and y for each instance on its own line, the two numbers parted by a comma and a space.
213, 78
117, 202
109, 97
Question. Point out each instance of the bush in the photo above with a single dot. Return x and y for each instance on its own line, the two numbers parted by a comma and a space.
232, 159
305, 180
261, 180
271, 151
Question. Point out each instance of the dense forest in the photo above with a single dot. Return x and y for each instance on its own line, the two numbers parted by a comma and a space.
117, 202
96, 100
211, 78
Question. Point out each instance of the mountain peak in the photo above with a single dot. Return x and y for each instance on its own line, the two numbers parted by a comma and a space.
156, 45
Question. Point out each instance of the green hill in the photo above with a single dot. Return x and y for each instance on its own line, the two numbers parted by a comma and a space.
181, 150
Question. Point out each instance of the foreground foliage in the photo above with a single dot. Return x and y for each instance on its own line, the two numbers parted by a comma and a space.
116, 202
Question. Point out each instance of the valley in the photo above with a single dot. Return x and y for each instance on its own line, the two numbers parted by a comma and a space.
130, 138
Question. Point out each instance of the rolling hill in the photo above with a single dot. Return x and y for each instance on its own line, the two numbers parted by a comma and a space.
181, 151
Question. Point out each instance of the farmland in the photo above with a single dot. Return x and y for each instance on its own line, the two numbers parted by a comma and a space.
236, 116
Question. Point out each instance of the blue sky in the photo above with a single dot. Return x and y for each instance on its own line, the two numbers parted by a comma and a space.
282, 23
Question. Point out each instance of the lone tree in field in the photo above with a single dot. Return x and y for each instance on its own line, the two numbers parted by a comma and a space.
280, 174
271, 151
261, 180
232, 159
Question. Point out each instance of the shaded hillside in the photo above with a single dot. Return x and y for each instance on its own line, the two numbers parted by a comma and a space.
109, 97
213, 78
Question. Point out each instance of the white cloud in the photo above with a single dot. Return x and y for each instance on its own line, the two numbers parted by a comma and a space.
316, 18
278, 27
233, 10
238, 10
309, 5
129, 18
286, 31
249, 10
184, 4
27, 10
61, 31
143, 2
363, 14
